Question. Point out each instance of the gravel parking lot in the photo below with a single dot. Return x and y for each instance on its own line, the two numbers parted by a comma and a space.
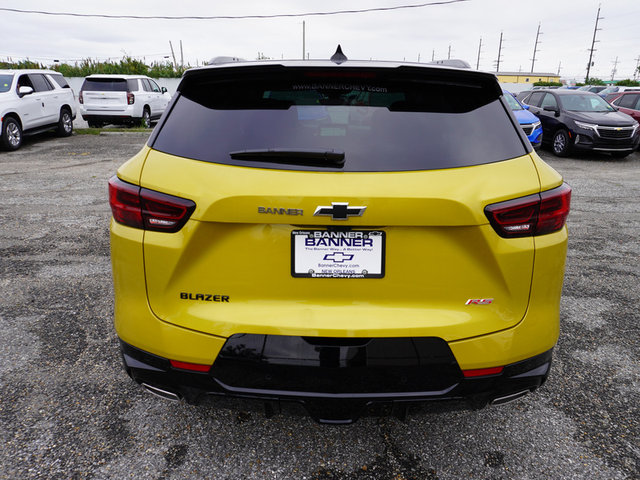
68, 410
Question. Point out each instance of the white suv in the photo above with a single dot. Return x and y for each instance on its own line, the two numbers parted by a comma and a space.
32, 101
121, 99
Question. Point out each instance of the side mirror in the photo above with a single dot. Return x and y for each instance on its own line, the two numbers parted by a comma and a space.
24, 90
164, 89
525, 106
552, 109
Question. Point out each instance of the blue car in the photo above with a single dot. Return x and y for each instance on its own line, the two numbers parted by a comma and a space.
527, 120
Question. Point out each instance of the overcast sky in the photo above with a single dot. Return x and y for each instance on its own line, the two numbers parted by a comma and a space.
407, 34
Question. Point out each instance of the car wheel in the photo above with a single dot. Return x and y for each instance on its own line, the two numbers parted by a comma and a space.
561, 143
11, 134
65, 123
145, 121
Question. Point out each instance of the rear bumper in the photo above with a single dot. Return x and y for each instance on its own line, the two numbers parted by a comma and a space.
334, 381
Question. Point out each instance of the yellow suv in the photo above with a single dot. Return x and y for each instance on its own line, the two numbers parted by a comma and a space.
349, 236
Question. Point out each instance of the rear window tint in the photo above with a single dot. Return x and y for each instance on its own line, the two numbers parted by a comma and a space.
381, 121
104, 85
5, 82
60, 80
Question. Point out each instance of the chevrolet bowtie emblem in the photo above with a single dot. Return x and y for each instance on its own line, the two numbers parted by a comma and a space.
339, 211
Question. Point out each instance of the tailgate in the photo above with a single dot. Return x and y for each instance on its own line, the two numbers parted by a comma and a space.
229, 269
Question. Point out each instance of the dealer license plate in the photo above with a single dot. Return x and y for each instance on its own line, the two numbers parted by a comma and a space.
337, 253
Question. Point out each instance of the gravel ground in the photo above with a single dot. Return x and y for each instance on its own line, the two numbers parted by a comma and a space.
68, 410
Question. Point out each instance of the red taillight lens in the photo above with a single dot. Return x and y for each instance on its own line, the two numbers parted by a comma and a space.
147, 209
80, 98
131, 98
124, 199
482, 372
194, 367
536, 214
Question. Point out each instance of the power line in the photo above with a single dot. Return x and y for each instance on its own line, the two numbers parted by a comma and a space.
232, 17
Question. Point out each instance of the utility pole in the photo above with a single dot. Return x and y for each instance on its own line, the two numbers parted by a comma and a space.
175, 64
635, 72
433, 55
593, 42
559, 65
535, 48
181, 56
479, 50
449, 54
615, 69
499, 54
303, 41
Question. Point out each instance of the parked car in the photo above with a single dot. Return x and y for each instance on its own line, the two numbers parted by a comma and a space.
628, 102
341, 235
34, 101
121, 99
592, 88
575, 119
616, 89
529, 123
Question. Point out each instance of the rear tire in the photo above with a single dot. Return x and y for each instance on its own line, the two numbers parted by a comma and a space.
65, 123
561, 143
145, 121
11, 134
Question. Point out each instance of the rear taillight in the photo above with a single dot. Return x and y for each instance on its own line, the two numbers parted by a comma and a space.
131, 98
147, 209
533, 215
80, 98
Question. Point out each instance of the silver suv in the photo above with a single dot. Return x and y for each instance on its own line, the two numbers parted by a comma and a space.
121, 99
33, 101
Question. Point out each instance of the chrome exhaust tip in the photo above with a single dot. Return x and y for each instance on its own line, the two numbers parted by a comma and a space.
159, 392
509, 398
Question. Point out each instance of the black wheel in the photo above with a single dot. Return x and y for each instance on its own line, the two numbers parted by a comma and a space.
11, 133
65, 123
145, 121
561, 143
94, 124
620, 154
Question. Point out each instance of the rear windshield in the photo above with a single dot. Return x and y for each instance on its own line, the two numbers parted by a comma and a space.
104, 85
380, 121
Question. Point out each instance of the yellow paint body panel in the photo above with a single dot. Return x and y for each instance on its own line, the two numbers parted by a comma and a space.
440, 252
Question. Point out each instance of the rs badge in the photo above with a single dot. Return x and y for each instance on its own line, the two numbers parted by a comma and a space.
479, 301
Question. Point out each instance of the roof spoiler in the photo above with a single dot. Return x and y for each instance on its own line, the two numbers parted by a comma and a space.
222, 60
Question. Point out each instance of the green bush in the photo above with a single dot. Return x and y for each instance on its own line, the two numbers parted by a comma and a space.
628, 83
547, 84
126, 65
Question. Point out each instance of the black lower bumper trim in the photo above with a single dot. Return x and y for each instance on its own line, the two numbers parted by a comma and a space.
336, 380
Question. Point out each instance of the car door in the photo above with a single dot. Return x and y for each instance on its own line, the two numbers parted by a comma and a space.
546, 118
49, 102
30, 105
147, 94
157, 99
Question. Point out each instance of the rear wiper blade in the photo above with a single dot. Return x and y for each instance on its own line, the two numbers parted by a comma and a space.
293, 156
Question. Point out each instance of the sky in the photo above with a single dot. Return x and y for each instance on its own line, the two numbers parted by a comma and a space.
411, 34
